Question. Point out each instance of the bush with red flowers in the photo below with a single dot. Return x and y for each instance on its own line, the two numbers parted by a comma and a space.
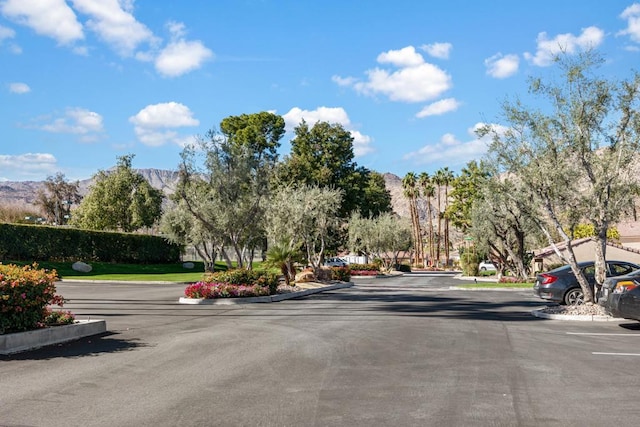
233, 284
25, 296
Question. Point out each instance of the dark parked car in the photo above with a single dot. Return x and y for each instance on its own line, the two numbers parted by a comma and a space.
560, 285
620, 296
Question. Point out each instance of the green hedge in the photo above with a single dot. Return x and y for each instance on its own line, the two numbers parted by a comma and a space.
42, 243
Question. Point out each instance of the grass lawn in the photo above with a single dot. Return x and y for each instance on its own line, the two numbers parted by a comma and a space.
128, 272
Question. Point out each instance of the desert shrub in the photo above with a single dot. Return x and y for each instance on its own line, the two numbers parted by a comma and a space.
25, 293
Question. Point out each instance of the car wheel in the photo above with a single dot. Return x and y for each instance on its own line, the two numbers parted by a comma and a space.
574, 297
483, 268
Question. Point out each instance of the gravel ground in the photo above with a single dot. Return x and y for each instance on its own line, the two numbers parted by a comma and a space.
583, 309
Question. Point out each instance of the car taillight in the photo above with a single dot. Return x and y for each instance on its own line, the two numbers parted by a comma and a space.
548, 278
626, 286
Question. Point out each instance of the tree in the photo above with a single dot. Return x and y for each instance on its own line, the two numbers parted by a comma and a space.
446, 176
503, 226
411, 192
56, 198
181, 227
467, 189
382, 237
304, 216
323, 156
224, 182
119, 200
428, 191
576, 159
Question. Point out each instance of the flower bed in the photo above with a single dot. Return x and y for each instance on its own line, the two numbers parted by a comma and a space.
364, 272
233, 284
25, 294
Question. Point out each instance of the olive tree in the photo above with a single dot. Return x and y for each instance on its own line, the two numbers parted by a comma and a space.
575, 154
382, 237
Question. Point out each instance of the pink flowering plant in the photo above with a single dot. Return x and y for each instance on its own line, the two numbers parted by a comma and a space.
364, 269
233, 284
25, 296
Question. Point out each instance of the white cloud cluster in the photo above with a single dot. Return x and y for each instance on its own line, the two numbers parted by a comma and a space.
181, 56
6, 33
502, 66
51, 18
439, 107
27, 165
77, 121
548, 49
414, 81
438, 50
19, 88
155, 124
632, 15
361, 143
451, 150
114, 23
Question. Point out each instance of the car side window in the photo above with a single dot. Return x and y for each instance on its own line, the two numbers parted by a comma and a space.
590, 270
619, 269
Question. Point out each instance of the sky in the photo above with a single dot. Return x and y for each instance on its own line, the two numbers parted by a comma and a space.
83, 82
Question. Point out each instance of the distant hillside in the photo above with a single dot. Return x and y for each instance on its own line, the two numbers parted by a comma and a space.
24, 192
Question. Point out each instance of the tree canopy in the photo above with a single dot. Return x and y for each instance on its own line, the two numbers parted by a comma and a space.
119, 200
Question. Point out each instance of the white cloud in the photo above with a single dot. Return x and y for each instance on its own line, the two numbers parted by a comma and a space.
405, 57
439, 107
181, 56
415, 81
591, 37
51, 18
632, 15
502, 66
438, 50
77, 121
361, 143
6, 33
154, 125
113, 22
28, 165
451, 150
19, 88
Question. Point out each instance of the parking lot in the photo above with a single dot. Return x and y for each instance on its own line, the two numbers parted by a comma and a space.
404, 351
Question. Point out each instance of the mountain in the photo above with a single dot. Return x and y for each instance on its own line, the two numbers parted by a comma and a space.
19, 193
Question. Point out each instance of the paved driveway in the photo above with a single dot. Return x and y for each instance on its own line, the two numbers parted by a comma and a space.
396, 352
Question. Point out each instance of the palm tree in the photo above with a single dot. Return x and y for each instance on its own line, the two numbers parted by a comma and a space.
448, 178
438, 179
428, 191
283, 256
409, 184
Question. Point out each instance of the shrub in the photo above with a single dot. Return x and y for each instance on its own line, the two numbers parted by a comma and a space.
25, 293
234, 283
404, 268
364, 272
365, 267
341, 273
224, 290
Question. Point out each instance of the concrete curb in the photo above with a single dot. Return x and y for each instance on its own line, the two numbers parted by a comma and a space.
575, 317
30, 340
270, 298
458, 288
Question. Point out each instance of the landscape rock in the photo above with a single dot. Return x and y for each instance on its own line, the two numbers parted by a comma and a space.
81, 267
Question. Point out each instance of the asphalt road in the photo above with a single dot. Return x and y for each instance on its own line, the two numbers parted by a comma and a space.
406, 351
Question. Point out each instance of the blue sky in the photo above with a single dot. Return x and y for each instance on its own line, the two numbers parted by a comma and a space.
85, 81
